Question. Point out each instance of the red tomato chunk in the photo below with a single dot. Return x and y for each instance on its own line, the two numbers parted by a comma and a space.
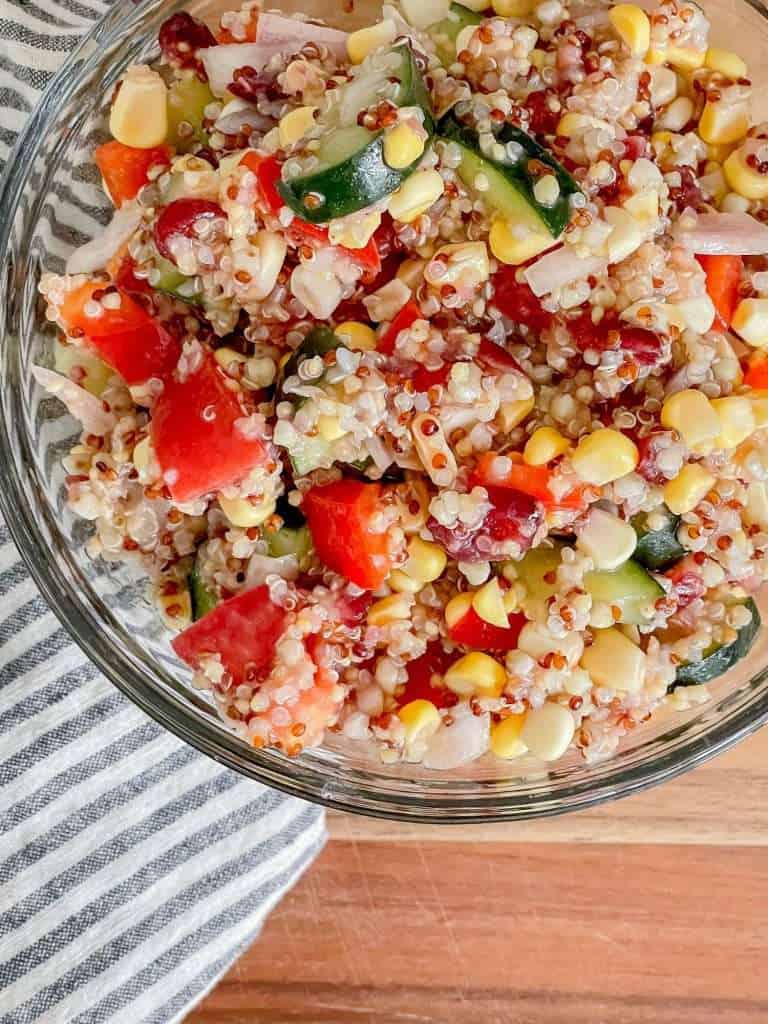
339, 516
243, 631
125, 170
196, 437
472, 631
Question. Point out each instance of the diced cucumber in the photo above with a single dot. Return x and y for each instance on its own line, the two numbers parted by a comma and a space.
720, 657
204, 599
97, 373
657, 549
630, 588
318, 342
287, 541
536, 570
310, 453
353, 173
444, 33
171, 281
510, 185
187, 100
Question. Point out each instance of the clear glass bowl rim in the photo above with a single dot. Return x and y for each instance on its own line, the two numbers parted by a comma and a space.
363, 793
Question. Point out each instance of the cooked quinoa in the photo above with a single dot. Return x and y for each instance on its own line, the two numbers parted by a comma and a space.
420, 370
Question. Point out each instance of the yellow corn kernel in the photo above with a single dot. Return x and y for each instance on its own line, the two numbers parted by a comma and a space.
295, 124
140, 457
366, 40
512, 414
426, 560
514, 249
726, 62
544, 445
604, 455
505, 737
721, 123
688, 488
759, 400
244, 513
744, 180
538, 58
488, 602
139, 114
466, 262
631, 24
690, 413
573, 124
643, 206
476, 673
548, 731
415, 195
411, 272
683, 57
737, 420
420, 719
750, 322
513, 8
403, 584
412, 504
175, 609
756, 510
717, 154
356, 232
402, 146
614, 661
357, 336
457, 608
329, 428
225, 357
390, 609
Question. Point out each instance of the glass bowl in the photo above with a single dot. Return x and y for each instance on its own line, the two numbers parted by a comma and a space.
52, 201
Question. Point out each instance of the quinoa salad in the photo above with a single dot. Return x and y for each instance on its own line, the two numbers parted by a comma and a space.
420, 370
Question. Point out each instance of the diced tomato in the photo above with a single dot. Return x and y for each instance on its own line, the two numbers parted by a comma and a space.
515, 300
424, 379
407, 316
472, 631
126, 280
267, 171
531, 480
723, 275
434, 662
756, 371
127, 338
125, 169
494, 357
648, 448
196, 437
243, 631
339, 516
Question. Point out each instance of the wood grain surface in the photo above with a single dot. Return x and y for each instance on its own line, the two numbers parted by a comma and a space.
651, 909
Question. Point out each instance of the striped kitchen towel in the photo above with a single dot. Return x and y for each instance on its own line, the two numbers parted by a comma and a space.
133, 870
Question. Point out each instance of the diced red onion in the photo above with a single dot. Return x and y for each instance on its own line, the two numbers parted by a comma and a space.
261, 566
275, 35
561, 267
80, 403
722, 234
97, 253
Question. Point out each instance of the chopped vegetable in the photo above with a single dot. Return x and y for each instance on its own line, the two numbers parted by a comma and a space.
630, 589
657, 548
723, 278
719, 658
125, 169
340, 516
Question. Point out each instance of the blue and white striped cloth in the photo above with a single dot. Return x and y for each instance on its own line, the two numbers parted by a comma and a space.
133, 870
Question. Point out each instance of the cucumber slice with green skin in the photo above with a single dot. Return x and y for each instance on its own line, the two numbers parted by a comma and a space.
534, 568
204, 599
657, 549
171, 280
629, 588
445, 33
187, 100
720, 658
286, 541
353, 173
318, 342
310, 453
510, 185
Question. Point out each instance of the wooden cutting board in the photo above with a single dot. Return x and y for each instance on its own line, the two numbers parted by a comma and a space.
651, 910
